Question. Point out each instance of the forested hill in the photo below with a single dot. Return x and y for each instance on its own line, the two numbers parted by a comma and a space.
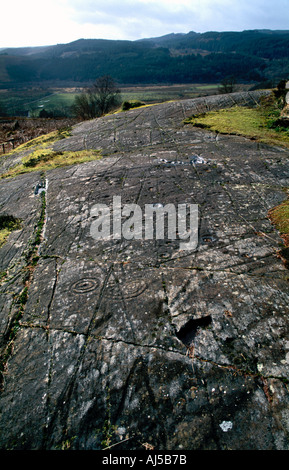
250, 56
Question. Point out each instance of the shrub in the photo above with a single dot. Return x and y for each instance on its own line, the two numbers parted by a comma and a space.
97, 100
126, 105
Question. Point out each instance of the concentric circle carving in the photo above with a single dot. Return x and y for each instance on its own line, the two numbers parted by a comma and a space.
135, 288
126, 290
82, 286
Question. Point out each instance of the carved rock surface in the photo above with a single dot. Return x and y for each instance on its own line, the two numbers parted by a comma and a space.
136, 343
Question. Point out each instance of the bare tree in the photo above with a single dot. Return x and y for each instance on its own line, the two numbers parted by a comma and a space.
228, 85
97, 100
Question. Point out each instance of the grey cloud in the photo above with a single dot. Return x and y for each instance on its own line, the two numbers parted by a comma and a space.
140, 19
111, 11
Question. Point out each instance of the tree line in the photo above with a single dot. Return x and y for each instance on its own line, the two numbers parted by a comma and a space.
148, 66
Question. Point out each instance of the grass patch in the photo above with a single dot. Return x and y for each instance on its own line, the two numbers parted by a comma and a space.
47, 159
8, 224
126, 105
43, 158
279, 216
255, 123
43, 140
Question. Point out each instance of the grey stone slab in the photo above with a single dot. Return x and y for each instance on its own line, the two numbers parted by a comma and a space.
134, 344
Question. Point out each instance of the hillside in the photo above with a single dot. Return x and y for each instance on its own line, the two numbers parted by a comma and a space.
129, 343
251, 56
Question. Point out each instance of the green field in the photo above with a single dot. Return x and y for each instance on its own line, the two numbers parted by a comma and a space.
55, 102
152, 94
20, 102
58, 101
31, 101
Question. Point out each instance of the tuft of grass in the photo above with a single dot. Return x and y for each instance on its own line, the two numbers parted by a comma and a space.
126, 105
42, 157
47, 159
43, 140
279, 216
8, 224
255, 123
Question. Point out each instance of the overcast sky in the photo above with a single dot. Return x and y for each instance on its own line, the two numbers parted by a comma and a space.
49, 22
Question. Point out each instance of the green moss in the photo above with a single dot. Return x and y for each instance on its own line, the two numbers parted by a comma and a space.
42, 157
20, 300
8, 224
4, 234
279, 216
47, 159
43, 140
255, 123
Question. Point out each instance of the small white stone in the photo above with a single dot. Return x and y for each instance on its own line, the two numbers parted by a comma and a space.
260, 367
226, 426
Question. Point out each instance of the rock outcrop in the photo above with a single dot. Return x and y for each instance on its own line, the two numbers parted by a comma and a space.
136, 343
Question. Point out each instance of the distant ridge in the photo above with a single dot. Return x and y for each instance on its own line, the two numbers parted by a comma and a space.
252, 56
165, 37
